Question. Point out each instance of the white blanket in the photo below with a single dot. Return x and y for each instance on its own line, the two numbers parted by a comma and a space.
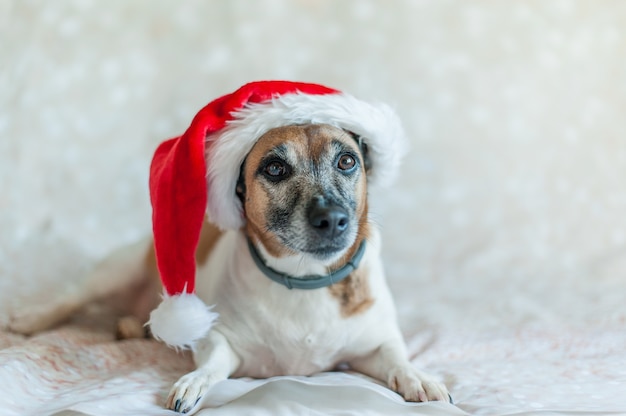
519, 371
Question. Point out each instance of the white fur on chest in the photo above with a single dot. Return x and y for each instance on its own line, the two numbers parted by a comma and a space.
277, 331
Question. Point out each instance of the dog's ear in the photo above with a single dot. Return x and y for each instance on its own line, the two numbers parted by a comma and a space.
367, 163
240, 189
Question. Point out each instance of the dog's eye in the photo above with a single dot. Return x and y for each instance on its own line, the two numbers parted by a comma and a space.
346, 162
275, 169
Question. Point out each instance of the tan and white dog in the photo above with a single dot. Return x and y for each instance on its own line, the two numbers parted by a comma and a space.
299, 287
304, 192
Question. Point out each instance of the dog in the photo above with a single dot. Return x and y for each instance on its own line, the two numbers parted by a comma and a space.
304, 194
303, 190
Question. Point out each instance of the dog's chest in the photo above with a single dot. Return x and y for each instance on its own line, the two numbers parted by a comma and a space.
274, 330
298, 334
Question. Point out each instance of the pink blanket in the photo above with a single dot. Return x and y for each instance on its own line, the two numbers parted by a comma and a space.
81, 367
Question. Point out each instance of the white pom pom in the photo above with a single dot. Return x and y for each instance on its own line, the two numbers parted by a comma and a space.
181, 320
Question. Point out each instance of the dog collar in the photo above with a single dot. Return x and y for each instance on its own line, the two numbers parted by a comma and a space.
311, 281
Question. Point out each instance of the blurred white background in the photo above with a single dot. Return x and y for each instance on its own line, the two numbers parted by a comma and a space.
511, 205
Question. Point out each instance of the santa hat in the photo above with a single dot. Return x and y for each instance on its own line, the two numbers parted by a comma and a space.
196, 175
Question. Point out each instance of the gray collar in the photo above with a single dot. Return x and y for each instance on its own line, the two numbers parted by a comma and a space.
311, 281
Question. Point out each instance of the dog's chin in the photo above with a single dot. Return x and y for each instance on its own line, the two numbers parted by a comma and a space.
326, 253
326, 250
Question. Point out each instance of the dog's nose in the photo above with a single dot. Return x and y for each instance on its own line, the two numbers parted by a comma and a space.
329, 220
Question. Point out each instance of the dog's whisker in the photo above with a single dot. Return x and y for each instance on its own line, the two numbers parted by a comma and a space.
300, 261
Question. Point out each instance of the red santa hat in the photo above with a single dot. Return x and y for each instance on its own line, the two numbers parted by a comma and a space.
195, 175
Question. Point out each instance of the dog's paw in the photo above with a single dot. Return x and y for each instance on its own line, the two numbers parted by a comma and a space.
416, 386
130, 327
187, 391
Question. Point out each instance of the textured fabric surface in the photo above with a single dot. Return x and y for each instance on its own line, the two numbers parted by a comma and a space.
83, 368
505, 236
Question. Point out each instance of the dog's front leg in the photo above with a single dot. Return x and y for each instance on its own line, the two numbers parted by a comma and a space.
215, 360
389, 363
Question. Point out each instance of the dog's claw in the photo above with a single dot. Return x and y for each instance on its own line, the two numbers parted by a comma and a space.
187, 392
183, 406
186, 409
177, 405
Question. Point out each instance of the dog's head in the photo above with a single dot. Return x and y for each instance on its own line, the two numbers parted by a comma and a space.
304, 191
